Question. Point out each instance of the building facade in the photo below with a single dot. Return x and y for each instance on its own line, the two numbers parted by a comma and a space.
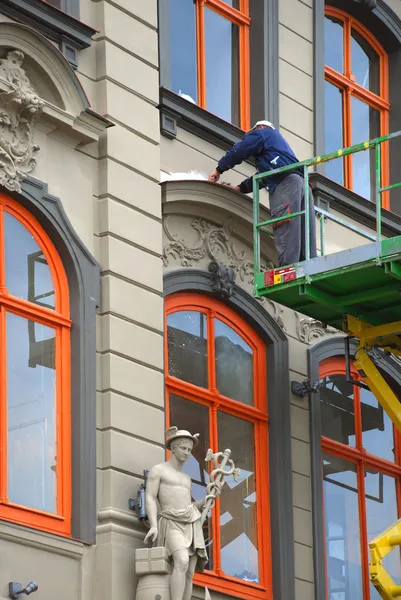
126, 286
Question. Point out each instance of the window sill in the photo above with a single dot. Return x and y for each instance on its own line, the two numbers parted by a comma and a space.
230, 586
177, 111
68, 33
48, 542
328, 193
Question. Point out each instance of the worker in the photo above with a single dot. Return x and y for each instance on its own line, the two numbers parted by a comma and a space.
287, 190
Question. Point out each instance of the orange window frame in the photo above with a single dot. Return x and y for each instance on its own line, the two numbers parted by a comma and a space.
346, 82
58, 319
237, 17
256, 414
361, 458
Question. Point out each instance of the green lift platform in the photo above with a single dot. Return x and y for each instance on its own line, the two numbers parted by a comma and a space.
357, 290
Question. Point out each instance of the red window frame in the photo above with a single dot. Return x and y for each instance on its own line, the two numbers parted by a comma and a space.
256, 414
237, 17
346, 82
59, 320
361, 458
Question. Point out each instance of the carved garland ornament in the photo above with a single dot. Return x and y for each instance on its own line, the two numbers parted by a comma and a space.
214, 242
20, 107
310, 330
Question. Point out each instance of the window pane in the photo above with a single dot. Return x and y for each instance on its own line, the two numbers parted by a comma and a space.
377, 427
343, 551
56, 3
365, 126
334, 44
187, 346
239, 542
194, 417
183, 61
365, 63
333, 131
27, 272
31, 404
222, 66
381, 512
233, 3
337, 409
234, 364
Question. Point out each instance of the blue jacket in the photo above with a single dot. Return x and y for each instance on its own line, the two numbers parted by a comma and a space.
270, 151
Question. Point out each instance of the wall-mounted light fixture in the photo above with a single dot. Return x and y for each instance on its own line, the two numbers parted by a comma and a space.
15, 589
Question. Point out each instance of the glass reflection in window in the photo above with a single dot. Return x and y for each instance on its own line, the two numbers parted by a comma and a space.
334, 169
239, 542
334, 44
365, 126
365, 63
343, 550
337, 409
187, 346
222, 66
377, 427
31, 409
27, 273
194, 417
183, 60
234, 364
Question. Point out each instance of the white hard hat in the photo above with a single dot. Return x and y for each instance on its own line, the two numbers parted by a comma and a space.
264, 123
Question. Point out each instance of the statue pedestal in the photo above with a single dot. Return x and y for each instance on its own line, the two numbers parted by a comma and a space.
153, 569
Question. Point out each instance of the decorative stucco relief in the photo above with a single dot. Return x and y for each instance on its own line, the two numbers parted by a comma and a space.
20, 107
310, 330
213, 242
196, 242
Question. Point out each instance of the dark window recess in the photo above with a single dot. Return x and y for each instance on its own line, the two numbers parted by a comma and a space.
58, 20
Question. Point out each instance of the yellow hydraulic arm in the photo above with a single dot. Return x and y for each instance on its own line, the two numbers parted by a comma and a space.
371, 339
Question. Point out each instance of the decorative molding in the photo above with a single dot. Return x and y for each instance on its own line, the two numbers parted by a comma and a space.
310, 330
223, 279
197, 120
60, 26
20, 107
278, 313
369, 4
214, 242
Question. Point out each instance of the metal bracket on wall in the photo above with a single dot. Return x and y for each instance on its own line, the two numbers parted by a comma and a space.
302, 389
138, 504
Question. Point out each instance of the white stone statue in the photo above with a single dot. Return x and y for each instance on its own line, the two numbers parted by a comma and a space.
175, 521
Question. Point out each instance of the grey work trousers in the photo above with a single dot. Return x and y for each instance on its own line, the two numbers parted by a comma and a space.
289, 236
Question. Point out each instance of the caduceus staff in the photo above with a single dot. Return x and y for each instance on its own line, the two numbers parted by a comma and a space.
223, 467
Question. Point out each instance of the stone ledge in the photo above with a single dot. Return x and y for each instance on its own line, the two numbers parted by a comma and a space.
47, 542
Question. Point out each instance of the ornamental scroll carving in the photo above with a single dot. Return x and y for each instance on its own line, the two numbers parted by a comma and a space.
20, 107
214, 242
310, 330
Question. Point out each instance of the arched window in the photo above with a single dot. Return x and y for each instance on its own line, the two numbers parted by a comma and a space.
35, 462
356, 101
362, 478
216, 386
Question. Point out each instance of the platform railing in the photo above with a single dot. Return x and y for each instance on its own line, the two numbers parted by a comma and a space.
305, 213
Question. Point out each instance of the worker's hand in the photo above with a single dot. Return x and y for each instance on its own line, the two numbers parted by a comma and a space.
214, 176
151, 535
233, 187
